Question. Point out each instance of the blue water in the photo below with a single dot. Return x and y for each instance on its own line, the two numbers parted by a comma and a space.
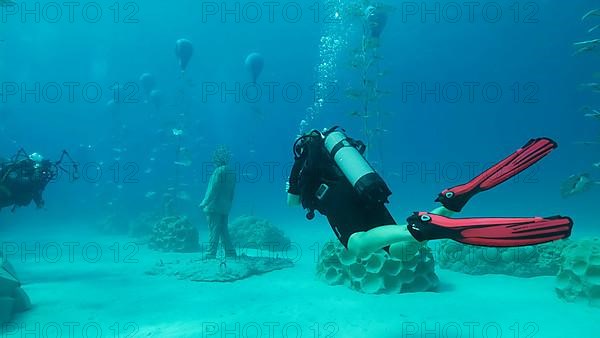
430, 139
528, 57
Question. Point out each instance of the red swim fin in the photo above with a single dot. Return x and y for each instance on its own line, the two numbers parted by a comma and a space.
455, 198
494, 232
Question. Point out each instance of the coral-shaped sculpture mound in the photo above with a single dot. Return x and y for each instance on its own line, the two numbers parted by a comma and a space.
527, 261
12, 297
378, 272
579, 275
250, 231
174, 234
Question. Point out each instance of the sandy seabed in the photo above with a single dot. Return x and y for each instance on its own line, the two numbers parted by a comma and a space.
85, 293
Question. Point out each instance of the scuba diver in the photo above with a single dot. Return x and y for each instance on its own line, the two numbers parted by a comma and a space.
23, 178
331, 175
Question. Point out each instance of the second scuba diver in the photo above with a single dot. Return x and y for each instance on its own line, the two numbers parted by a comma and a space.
330, 175
24, 178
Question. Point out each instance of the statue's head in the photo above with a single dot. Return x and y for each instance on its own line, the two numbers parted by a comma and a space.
221, 156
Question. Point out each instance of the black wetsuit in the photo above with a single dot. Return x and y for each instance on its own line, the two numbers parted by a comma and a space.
346, 211
23, 182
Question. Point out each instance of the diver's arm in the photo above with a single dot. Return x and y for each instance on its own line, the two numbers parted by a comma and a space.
398, 238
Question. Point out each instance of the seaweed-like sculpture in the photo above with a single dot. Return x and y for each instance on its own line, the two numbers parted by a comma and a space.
174, 234
579, 275
378, 272
366, 61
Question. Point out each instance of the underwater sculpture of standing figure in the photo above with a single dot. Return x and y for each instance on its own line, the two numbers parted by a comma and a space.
217, 204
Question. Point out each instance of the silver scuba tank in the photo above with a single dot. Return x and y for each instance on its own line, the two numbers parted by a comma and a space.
365, 180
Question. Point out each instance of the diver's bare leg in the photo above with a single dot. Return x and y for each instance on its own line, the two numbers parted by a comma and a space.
402, 244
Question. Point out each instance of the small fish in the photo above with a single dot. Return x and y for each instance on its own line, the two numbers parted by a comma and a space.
380, 131
354, 93
595, 114
150, 194
587, 43
576, 184
177, 132
593, 12
586, 46
594, 86
183, 163
182, 195
597, 165
148, 171
358, 114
